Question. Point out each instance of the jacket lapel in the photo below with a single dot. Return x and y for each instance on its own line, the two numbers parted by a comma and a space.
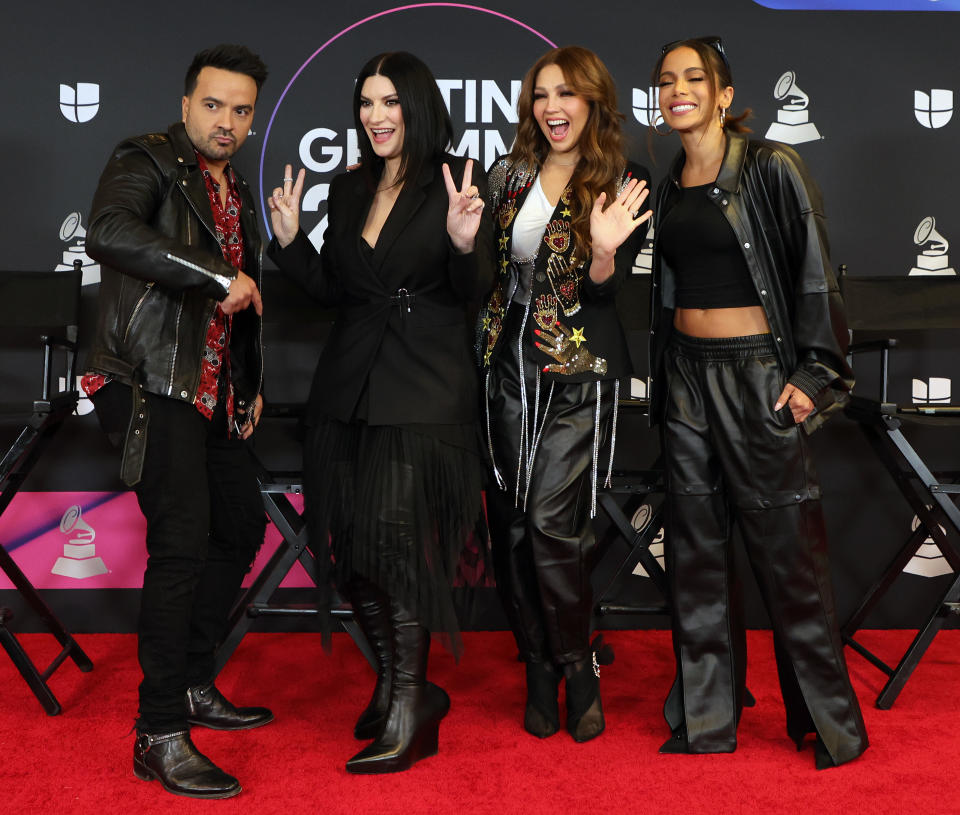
408, 202
191, 183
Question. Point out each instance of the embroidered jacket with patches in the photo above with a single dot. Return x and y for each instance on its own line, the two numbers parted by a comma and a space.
561, 287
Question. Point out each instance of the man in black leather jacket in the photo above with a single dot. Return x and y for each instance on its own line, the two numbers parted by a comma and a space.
175, 373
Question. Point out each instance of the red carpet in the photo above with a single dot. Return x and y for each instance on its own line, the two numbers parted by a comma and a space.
80, 761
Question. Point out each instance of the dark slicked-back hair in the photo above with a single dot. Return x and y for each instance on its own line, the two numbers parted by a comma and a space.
236, 58
427, 130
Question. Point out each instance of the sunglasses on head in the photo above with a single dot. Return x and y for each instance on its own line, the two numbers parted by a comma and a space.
714, 42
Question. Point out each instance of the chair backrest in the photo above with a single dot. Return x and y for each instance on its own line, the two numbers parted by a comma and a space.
900, 303
896, 303
49, 302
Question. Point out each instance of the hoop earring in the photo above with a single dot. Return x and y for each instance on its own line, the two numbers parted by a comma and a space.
723, 116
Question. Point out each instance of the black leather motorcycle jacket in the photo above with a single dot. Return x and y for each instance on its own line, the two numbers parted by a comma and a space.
162, 272
775, 210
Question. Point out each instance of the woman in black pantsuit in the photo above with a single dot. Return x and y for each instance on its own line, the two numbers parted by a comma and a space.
570, 217
748, 355
391, 459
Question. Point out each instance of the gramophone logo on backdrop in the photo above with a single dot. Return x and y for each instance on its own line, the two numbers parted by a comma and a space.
79, 103
71, 231
929, 560
932, 259
933, 109
643, 262
640, 521
793, 125
646, 110
79, 553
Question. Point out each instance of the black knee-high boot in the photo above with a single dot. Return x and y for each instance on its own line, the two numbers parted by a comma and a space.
416, 706
371, 610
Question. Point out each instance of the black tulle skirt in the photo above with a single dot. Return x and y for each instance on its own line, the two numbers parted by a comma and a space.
401, 508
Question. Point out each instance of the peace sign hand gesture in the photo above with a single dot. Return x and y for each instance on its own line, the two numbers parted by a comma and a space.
464, 209
285, 206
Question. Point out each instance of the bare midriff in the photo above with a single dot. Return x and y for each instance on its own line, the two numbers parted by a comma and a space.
721, 322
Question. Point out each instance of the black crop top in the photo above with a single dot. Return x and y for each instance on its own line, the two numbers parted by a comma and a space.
703, 252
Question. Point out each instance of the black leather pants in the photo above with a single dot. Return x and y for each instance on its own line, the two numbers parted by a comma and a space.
543, 555
729, 457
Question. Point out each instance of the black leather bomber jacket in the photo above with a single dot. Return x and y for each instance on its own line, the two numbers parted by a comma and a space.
162, 273
775, 210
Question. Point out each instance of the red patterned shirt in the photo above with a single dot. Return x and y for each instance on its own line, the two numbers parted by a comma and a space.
226, 217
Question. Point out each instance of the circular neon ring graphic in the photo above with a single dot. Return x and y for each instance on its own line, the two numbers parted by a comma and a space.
337, 36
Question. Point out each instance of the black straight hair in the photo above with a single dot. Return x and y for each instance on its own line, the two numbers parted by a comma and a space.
427, 129
236, 58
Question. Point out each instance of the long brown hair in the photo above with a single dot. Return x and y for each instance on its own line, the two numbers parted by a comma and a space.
718, 74
601, 142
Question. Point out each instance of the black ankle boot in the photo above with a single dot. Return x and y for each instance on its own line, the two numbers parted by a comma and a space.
410, 732
207, 707
174, 761
371, 610
542, 716
584, 709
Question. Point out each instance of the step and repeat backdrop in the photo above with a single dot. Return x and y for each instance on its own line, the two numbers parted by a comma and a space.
865, 91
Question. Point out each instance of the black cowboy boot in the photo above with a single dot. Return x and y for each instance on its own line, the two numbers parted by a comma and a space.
207, 707
174, 761
416, 706
371, 610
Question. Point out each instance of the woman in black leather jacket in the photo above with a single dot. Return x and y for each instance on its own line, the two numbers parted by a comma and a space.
749, 342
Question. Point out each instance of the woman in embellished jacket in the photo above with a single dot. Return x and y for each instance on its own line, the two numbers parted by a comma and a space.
569, 218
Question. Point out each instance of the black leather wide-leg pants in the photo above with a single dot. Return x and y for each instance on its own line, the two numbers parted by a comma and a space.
730, 457
543, 554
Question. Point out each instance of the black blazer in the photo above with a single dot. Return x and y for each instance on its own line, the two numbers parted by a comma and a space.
412, 351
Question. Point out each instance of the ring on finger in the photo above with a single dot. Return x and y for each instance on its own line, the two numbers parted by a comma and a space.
286, 180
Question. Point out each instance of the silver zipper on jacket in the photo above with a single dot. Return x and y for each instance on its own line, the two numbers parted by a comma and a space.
190, 265
176, 346
136, 311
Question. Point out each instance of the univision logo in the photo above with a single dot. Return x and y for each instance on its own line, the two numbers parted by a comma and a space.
933, 109
80, 103
646, 106
932, 391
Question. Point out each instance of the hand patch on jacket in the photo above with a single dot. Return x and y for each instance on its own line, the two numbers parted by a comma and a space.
569, 349
565, 281
545, 311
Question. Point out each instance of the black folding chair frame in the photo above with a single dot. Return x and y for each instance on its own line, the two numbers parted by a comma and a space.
47, 417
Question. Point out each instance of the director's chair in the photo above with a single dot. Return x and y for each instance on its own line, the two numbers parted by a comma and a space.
39, 300
894, 304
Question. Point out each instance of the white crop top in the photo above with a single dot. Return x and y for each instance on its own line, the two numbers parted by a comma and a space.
530, 223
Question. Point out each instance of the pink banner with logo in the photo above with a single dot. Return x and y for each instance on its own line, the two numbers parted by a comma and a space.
93, 540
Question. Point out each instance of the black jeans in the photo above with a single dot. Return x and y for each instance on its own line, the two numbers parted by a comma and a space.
205, 523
